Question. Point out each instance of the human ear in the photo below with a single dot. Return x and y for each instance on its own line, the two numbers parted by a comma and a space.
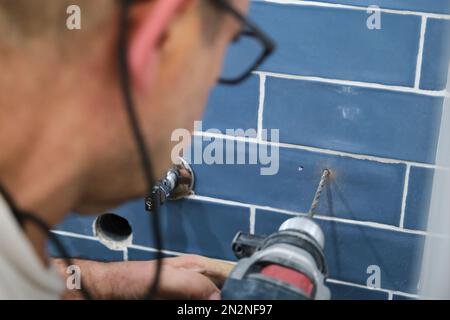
150, 22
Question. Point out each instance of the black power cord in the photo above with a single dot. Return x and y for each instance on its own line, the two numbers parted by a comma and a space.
140, 141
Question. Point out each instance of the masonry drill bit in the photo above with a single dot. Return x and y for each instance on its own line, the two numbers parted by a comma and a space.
325, 175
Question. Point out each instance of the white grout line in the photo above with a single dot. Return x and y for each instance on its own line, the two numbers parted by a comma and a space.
317, 150
352, 284
252, 219
262, 94
405, 294
151, 249
370, 85
389, 292
75, 235
93, 238
224, 136
405, 196
370, 224
359, 8
125, 254
423, 30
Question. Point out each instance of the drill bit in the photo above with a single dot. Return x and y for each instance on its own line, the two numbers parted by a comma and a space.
325, 175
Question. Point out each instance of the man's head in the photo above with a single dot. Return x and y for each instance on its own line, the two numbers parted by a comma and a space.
62, 87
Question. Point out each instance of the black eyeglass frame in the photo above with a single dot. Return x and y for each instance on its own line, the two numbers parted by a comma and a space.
250, 29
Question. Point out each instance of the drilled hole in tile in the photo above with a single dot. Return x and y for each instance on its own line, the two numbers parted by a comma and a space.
113, 231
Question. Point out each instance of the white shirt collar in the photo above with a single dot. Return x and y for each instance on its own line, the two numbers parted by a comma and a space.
22, 275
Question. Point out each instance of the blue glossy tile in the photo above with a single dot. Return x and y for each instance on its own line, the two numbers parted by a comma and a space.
233, 107
400, 297
85, 249
344, 292
436, 55
81, 224
436, 6
190, 226
419, 197
143, 255
360, 190
350, 249
336, 43
353, 119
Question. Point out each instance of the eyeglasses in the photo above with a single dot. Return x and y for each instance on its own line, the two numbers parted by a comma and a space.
247, 52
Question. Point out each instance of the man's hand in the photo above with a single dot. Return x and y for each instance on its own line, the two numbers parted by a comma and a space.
184, 277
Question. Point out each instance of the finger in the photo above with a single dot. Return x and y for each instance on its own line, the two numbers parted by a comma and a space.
179, 283
216, 270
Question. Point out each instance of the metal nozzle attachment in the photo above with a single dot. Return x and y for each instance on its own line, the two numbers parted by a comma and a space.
178, 183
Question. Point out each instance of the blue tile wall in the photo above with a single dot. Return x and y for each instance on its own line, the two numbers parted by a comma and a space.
232, 107
327, 42
362, 190
368, 115
436, 55
304, 110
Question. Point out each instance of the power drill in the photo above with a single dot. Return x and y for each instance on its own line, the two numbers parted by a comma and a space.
287, 265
